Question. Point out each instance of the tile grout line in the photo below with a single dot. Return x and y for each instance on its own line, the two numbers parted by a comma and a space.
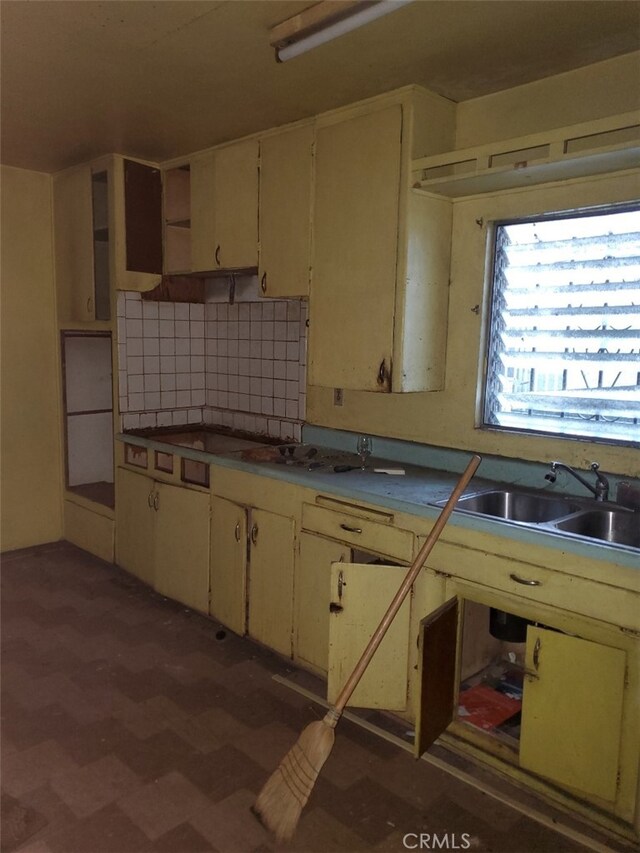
566, 831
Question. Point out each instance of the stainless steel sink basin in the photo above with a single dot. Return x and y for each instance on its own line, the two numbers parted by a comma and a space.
605, 522
512, 505
616, 526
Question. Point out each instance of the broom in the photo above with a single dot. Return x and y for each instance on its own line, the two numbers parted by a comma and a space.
286, 792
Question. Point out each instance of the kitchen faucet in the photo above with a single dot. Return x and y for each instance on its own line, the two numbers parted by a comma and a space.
601, 488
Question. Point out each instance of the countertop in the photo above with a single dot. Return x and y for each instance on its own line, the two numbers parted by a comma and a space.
415, 492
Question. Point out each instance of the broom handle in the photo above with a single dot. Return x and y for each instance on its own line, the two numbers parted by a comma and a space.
401, 594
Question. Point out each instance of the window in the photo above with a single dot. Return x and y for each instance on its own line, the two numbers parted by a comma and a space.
564, 342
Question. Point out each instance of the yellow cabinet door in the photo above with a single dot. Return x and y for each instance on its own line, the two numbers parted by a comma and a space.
224, 208
271, 580
360, 596
572, 711
182, 545
203, 245
73, 230
313, 588
135, 520
285, 212
236, 205
353, 286
228, 564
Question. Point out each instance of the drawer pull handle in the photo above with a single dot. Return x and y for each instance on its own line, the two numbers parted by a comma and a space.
350, 529
150, 499
156, 501
263, 282
238, 532
524, 581
217, 256
536, 654
254, 534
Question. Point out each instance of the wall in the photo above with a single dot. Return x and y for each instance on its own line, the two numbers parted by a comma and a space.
31, 488
595, 91
448, 418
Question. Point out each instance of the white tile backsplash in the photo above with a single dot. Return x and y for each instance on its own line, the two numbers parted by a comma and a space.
241, 365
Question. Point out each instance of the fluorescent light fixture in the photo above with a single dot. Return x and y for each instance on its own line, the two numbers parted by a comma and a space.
324, 22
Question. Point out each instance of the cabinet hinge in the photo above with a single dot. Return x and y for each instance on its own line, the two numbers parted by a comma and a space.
442, 574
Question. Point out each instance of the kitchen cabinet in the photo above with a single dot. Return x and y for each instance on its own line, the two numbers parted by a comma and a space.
176, 186
360, 596
107, 233
224, 208
81, 234
162, 537
252, 552
135, 525
285, 212
313, 592
381, 251
571, 682
270, 616
228, 564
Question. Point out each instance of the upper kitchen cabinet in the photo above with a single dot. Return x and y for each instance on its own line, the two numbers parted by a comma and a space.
81, 220
381, 252
285, 212
107, 225
224, 208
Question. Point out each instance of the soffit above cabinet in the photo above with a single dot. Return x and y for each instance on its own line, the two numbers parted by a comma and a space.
159, 81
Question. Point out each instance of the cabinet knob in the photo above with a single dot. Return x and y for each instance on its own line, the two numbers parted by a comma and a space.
254, 534
263, 282
237, 532
217, 255
150, 498
156, 501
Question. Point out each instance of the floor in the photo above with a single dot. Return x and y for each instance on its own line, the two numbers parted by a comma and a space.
131, 724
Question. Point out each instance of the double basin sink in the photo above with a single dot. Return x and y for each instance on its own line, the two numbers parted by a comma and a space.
605, 522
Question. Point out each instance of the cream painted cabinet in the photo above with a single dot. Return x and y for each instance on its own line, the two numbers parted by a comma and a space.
312, 598
162, 537
553, 696
270, 615
135, 525
228, 564
381, 252
285, 212
252, 553
182, 545
107, 233
224, 208
360, 596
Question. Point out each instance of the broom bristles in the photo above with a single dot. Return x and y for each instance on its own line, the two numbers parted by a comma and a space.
287, 790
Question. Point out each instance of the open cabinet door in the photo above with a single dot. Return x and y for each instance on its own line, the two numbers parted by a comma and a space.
572, 707
360, 596
437, 665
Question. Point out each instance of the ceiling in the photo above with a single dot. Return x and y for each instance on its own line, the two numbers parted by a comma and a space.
158, 80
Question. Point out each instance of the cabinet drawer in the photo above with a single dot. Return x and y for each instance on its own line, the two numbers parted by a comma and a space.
538, 584
361, 532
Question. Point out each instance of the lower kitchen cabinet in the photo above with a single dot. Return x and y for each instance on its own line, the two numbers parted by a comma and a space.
182, 545
162, 537
135, 525
360, 596
313, 583
551, 696
228, 564
271, 580
252, 552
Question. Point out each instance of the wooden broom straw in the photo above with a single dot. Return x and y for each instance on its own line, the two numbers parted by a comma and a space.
401, 594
